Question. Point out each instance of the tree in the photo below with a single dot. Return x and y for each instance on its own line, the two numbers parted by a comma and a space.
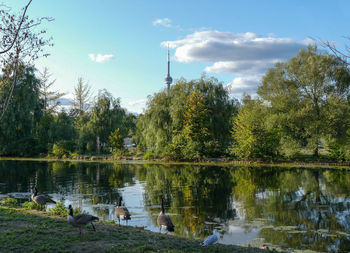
116, 140
106, 116
50, 98
17, 130
20, 42
196, 127
254, 135
162, 128
304, 91
343, 55
82, 96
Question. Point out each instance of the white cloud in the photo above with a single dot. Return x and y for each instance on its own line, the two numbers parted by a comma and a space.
244, 55
100, 57
240, 85
166, 22
141, 102
137, 106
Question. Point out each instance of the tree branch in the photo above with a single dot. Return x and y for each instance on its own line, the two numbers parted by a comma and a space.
18, 29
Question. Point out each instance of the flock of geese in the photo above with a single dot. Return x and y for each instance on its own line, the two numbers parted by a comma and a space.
121, 212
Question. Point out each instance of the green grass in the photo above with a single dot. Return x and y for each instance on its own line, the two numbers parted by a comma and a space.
9, 202
305, 159
24, 230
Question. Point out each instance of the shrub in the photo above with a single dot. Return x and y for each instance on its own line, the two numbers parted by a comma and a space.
9, 202
117, 153
337, 152
149, 156
61, 210
62, 149
29, 205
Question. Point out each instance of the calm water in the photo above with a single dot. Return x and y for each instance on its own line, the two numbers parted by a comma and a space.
289, 208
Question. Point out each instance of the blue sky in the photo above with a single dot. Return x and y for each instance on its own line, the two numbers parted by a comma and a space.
235, 41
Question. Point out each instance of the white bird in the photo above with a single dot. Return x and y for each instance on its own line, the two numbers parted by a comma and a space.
212, 239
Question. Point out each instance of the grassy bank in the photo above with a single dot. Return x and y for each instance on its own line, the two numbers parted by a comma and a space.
34, 231
213, 162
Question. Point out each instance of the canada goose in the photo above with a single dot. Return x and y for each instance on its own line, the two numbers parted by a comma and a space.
122, 212
80, 220
41, 199
164, 220
211, 239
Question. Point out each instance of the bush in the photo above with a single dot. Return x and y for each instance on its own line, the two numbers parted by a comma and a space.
337, 152
149, 156
62, 149
289, 147
29, 205
117, 153
9, 202
61, 210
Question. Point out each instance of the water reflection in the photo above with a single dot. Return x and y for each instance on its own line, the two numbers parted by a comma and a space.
288, 208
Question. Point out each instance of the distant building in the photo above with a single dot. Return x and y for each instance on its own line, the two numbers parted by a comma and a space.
168, 80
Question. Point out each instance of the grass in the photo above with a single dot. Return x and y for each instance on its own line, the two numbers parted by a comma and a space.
304, 159
24, 230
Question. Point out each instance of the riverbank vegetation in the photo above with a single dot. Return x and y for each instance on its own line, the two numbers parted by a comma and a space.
301, 112
35, 231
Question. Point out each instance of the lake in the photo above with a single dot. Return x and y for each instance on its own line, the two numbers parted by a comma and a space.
289, 208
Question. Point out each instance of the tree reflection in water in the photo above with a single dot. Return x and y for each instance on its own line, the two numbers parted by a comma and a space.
292, 208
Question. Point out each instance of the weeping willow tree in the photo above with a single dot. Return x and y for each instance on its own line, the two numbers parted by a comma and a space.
173, 122
17, 129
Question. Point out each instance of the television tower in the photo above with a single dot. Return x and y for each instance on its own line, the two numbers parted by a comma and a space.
168, 80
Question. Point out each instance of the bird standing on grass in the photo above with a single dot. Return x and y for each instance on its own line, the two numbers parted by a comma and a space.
211, 239
80, 220
121, 212
41, 199
164, 220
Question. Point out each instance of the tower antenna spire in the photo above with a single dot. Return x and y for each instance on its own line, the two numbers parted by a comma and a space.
168, 80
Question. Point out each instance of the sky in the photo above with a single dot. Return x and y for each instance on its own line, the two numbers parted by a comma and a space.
121, 46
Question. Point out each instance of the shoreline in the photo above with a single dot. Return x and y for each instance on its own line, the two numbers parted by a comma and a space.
214, 162
30, 230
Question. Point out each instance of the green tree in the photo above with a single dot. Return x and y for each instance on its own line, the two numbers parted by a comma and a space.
82, 96
161, 129
116, 140
254, 135
106, 116
49, 97
305, 93
18, 127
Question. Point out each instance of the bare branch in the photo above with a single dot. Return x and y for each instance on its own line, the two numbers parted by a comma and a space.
19, 28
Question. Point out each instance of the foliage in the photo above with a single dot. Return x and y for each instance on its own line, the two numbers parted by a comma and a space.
30, 205
116, 140
309, 94
9, 202
149, 156
17, 129
82, 96
50, 98
106, 116
62, 149
175, 120
59, 209
338, 151
289, 147
253, 137
21, 44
